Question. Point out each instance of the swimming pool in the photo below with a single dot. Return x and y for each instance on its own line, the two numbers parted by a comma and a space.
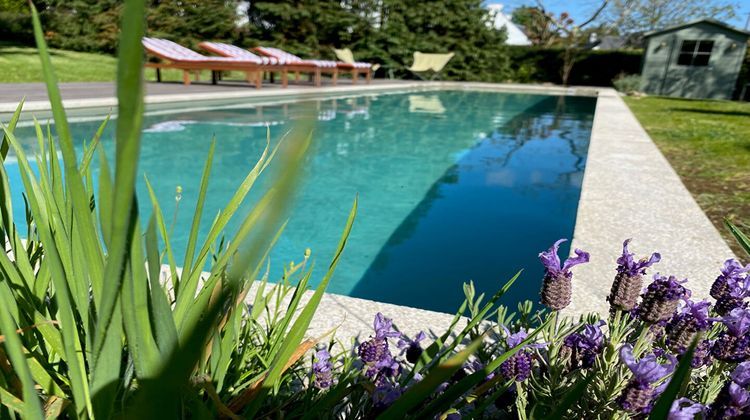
453, 185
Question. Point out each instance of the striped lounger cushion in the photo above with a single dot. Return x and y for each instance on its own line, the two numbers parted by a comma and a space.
177, 52
228, 50
293, 59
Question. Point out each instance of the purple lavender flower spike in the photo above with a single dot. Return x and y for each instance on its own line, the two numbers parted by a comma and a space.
733, 345
684, 326
628, 265
518, 367
384, 327
730, 274
411, 347
376, 348
661, 298
637, 395
685, 409
702, 354
384, 396
741, 374
732, 402
737, 322
629, 280
582, 348
557, 287
322, 370
734, 297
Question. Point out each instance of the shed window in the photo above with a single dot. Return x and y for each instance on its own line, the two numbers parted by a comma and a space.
695, 53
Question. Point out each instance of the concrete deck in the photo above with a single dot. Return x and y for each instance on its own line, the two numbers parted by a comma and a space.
629, 191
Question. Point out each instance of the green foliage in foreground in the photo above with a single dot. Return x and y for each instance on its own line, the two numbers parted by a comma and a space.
708, 143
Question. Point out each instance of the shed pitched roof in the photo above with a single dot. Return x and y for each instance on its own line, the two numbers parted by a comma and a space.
695, 22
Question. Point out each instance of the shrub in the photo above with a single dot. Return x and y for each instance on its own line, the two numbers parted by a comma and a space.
16, 27
627, 83
593, 68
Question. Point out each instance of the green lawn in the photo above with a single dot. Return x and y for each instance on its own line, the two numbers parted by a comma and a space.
708, 144
21, 64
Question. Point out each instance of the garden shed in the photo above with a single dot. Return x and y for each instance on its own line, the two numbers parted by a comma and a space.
699, 59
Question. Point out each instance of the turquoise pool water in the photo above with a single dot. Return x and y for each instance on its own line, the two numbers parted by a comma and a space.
453, 185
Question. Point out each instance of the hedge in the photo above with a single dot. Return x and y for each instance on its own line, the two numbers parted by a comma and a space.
593, 68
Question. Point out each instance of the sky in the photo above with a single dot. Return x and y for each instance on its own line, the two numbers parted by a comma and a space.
582, 9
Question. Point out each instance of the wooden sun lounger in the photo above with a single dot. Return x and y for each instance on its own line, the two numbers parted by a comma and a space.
175, 56
317, 67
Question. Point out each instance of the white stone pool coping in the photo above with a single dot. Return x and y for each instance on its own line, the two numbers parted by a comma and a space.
629, 191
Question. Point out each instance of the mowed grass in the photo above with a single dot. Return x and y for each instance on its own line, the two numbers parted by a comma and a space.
21, 64
708, 144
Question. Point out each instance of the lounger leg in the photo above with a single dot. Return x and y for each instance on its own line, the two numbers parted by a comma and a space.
186, 77
317, 77
197, 75
284, 78
354, 77
368, 76
296, 76
214, 77
258, 79
158, 75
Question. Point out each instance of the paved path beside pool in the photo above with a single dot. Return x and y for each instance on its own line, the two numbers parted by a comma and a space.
630, 191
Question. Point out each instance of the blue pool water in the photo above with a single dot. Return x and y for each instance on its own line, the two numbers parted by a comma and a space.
453, 185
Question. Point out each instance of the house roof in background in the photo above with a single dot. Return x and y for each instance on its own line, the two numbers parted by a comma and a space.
515, 34
695, 22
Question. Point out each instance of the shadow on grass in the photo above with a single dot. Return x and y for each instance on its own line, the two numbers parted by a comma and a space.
713, 112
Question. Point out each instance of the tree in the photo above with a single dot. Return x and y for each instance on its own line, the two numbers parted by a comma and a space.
537, 25
637, 16
15, 6
189, 22
460, 26
573, 37
81, 25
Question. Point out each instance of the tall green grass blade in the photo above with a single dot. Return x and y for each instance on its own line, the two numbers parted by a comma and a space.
187, 294
68, 326
164, 328
88, 156
11, 401
32, 408
128, 139
193, 236
676, 384
740, 236
6, 207
5, 146
104, 205
137, 314
78, 197
164, 235
296, 333
419, 393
